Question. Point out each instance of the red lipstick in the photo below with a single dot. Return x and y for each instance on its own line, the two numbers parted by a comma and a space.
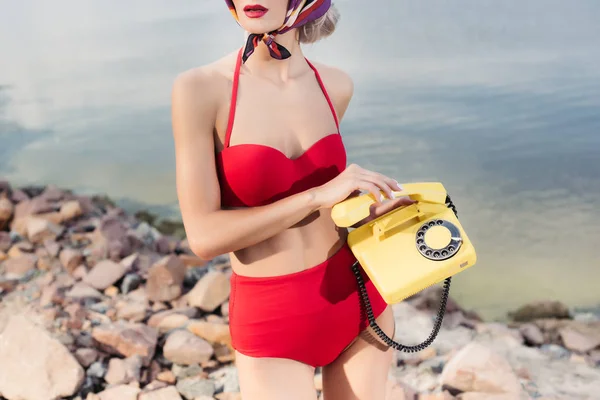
255, 11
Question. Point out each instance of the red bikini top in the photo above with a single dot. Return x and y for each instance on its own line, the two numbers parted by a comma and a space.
252, 175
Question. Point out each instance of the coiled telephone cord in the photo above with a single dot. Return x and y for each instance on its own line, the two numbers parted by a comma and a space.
440, 314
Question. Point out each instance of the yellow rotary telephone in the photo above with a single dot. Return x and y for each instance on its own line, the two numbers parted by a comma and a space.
407, 249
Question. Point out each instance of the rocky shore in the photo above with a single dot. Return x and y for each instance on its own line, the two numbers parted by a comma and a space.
99, 304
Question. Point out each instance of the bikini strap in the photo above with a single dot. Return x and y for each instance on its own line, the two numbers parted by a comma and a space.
337, 124
234, 91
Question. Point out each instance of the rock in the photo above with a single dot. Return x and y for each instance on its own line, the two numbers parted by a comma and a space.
396, 390
429, 300
166, 376
165, 279
70, 210
191, 260
131, 262
53, 217
191, 388
123, 370
532, 334
114, 234
180, 302
156, 319
5, 241
164, 245
39, 229
581, 337
81, 291
414, 326
130, 282
183, 371
70, 259
133, 311
104, 274
90, 387
555, 351
183, 347
15, 251
6, 212
96, 370
51, 247
486, 396
17, 268
146, 233
120, 392
36, 205
193, 275
86, 357
541, 309
226, 379
18, 196
212, 332
594, 358
476, 368
29, 355
5, 188
155, 385
224, 353
210, 291
173, 321
501, 330
7, 286
225, 309
52, 193
445, 395
127, 339
167, 393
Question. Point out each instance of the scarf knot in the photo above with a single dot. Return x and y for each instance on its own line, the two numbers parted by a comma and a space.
276, 50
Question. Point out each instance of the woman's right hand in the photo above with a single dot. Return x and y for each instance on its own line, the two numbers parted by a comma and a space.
351, 180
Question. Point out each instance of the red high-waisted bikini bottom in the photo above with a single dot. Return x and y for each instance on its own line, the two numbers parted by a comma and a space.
309, 316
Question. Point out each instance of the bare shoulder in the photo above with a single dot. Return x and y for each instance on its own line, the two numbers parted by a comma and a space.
203, 86
339, 85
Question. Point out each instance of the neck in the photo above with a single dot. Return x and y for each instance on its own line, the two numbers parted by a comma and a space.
261, 62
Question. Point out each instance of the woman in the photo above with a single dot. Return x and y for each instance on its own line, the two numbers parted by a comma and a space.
260, 162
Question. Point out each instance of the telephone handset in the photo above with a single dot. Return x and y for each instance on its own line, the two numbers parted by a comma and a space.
407, 249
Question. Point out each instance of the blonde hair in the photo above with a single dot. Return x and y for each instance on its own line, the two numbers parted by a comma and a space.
319, 28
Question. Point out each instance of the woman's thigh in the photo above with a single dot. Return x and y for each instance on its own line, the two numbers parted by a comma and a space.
361, 371
275, 379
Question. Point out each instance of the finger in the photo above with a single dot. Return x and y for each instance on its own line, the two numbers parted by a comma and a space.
376, 179
371, 188
389, 181
404, 201
392, 183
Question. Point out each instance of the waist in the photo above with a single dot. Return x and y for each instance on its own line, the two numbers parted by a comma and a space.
339, 257
294, 250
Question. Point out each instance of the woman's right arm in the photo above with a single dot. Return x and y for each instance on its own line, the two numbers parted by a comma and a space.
210, 230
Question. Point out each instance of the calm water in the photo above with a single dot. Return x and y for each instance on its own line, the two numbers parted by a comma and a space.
498, 100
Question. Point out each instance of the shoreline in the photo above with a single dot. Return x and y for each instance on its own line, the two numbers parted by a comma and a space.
128, 307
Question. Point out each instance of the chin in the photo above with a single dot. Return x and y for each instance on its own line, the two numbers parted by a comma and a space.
259, 25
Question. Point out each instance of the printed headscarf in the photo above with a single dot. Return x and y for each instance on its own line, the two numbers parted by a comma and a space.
299, 12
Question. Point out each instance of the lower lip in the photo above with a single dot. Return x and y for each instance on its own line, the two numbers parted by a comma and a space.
255, 13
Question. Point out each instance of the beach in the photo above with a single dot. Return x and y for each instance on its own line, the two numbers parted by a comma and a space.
98, 303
